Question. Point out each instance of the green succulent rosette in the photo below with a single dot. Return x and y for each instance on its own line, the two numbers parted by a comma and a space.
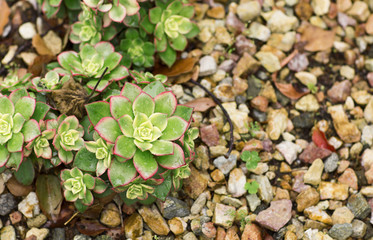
42, 146
59, 8
103, 152
14, 81
171, 25
51, 81
90, 63
136, 49
78, 187
68, 138
17, 126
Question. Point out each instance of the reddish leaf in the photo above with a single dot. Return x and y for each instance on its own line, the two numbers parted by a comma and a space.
65, 214
39, 64
318, 137
17, 189
317, 39
4, 15
201, 104
287, 89
90, 227
180, 66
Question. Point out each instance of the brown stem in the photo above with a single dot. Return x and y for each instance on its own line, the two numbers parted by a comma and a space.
217, 101
98, 82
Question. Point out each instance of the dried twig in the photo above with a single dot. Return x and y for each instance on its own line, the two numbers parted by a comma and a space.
98, 82
224, 112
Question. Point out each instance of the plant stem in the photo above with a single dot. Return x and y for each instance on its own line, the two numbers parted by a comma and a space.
217, 101
98, 82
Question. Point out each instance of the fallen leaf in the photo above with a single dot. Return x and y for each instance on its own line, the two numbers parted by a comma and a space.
318, 137
48, 190
17, 189
71, 98
53, 42
317, 39
38, 66
201, 104
67, 210
4, 15
39, 44
90, 227
288, 89
181, 66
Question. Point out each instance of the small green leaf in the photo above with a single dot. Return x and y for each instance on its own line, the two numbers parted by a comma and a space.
176, 127
31, 130
41, 110
154, 89
131, 91
252, 187
143, 104
179, 43
161, 191
15, 144
184, 112
145, 164
121, 173
173, 161
108, 128
89, 181
15, 159
162, 147
4, 155
120, 106
168, 56
187, 11
117, 13
18, 121
26, 172
6, 106
124, 147
85, 160
165, 103
125, 124
155, 15
98, 110
147, 25
48, 190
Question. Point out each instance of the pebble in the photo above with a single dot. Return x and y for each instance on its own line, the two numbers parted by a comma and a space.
342, 215
224, 92
359, 206
306, 78
209, 230
315, 213
133, 226
347, 131
224, 215
7, 203
369, 25
359, 11
247, 11
246, 64
177, 225
154, 220
236, 182
331, 163
27, 30
8, 233
367, 158
29, 206
190, 236
347, 72
253, 201
110, 216
259, 31
299, 62
40, 234
307, 103
207, 66
269, 61
81, 237
312, 152
198, 204
349, 177
231, 201
283, 42
341, 231
174, 207
281, 23
265, 191
339, 91
367, 135
359, 228
58, 234
225, 164
368, 111
313, 175
289, 150
251, 232
277, 123
320, 7
307, 198
367, 191
196, 183
276, 216
37, 221
335, 191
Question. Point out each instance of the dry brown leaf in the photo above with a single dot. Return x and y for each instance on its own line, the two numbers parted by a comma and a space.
39, 64
70, 99
4, 15
201, 104
53, 42
17, 189
40, 46
181, 66
317, 39
287, 89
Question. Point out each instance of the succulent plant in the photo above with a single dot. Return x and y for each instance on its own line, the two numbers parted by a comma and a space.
59, 8
41, 145
51, 81
16, 127
78, 187
15, 80
115, 10
68, 138
171, 25
103, 152
136, 49
147, 77
91, 62
90, 29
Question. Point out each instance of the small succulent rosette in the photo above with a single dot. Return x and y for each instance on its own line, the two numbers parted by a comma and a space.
17, 127
15, 80
51, 81
171, 25
78, 187
90, 28
136, 49
103, 152
146, 78
145, 126
59, 8
115, 10
68, 138
90, 63
42, 145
